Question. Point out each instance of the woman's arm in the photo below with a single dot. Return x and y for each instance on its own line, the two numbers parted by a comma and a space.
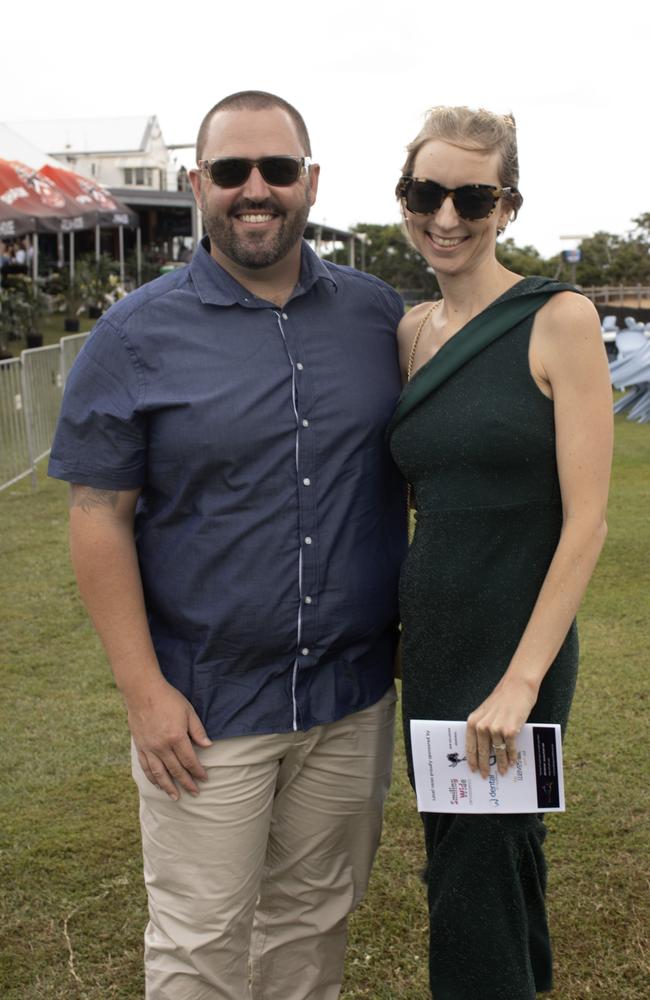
569, 364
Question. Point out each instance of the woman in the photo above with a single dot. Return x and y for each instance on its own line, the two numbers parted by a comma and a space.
504, 431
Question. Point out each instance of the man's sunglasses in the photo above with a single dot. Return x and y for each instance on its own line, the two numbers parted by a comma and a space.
471, 201
233, 171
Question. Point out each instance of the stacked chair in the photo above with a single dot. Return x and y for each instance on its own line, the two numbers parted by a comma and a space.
631, 370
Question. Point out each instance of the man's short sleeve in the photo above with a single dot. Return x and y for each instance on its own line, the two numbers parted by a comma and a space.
392, 300
100, 438
396, 305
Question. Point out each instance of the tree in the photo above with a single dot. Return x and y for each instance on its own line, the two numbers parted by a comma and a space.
523, 260
598, 254
390, 256
616, 260
642, 230
607, 259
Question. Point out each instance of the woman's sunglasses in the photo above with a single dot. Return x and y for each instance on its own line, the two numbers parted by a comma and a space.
471, 201
233, 171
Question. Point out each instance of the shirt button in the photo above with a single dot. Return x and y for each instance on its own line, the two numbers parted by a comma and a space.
299, 366
284, 316
306, 481
305, 651
308, 540
305, 423
308, 600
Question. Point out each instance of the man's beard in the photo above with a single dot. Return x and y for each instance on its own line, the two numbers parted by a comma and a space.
255, 250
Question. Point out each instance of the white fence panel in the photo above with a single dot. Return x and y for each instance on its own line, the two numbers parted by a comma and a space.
31, 388
42, 391
70, 347
15, 461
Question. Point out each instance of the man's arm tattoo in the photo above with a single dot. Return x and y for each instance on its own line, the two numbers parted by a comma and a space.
88, 498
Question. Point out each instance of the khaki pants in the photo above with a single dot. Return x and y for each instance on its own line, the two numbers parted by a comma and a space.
250, 884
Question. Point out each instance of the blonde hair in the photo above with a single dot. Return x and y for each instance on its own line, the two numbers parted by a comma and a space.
473, 129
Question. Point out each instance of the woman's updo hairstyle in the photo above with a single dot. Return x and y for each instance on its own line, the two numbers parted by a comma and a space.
473, 129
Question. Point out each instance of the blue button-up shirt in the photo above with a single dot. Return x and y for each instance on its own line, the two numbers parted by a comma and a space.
271, 523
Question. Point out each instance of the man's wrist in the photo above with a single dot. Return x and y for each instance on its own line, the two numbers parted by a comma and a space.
138, 685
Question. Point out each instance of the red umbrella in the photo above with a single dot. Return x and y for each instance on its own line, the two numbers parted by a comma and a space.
73, 204
26, 192
89, 195
14, 223
15, 217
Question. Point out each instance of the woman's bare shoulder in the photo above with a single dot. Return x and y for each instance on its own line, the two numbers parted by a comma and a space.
412, 319
568, 308
407, 330
567, 338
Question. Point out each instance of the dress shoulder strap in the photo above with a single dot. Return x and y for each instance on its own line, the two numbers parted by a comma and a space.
503, 314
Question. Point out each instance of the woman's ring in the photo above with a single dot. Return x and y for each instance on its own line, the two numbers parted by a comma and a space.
498, 746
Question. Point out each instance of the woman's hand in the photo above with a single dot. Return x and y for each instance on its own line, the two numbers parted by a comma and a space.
492, 728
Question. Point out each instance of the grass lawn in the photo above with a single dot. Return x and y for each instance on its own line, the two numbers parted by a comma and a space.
73, 906
51, 326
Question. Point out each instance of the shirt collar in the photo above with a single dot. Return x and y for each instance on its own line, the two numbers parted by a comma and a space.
216, 287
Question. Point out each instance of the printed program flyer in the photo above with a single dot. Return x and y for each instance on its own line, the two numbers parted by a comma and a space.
444, 782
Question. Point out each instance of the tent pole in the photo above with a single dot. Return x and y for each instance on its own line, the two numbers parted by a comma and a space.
138, 255
97, 244
35, 257
121, 239
71, 254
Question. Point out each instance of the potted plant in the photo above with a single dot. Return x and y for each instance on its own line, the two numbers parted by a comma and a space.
72, 298
95, 275
7, 324
25, 305
115, 290
37, 305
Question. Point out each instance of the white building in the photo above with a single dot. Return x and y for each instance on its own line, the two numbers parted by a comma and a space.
117, 152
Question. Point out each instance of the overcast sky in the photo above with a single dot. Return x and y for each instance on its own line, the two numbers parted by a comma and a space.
576, 75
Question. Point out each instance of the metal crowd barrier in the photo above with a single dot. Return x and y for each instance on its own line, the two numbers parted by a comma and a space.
31, 388
15, 461
42, 386
70, 347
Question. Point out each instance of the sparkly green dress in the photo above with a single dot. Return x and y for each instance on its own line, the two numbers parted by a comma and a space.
475, 437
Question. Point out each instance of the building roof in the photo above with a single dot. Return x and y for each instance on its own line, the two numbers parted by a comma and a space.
89, 135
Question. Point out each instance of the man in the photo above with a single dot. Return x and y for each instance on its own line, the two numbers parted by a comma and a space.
237, 530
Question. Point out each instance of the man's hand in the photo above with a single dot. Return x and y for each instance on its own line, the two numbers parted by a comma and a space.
164, 727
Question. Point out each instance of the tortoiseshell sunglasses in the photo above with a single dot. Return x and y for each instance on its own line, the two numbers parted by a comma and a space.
471, 201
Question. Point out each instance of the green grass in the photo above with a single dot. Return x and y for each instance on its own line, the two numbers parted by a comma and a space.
51, 326
73, 905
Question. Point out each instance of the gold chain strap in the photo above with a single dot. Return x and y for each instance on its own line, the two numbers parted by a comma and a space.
409, 373
416, 339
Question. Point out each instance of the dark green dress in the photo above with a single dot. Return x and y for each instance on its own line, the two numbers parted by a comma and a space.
475, 437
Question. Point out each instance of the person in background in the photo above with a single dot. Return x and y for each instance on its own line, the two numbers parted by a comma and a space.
237, 530
504, 431
21, 253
